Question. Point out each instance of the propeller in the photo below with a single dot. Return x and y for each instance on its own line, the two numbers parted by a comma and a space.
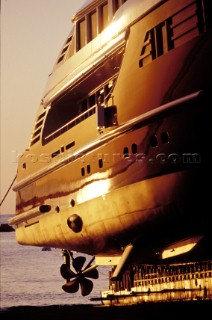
78, 278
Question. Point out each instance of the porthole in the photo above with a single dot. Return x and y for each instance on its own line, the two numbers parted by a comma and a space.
88, 168
100, 163
83, 171
57, 209
134, 148
126, 152
165, 137
72, 202
44, 208
153, 141
75, 223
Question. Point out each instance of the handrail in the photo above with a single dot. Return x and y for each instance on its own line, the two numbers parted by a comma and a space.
71, 121
104, 138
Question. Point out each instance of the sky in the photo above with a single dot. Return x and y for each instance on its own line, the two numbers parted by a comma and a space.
32, 35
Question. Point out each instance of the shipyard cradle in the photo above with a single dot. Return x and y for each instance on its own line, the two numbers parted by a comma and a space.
118, 159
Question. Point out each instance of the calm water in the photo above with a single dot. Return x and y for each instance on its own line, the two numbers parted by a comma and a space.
30, 276
31, 289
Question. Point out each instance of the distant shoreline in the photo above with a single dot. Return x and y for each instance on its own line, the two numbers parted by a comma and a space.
4, 227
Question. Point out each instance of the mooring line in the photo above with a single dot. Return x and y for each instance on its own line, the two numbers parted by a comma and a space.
8, 190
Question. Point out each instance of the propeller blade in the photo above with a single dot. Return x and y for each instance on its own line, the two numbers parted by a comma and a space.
86, 286
78, 263
66, 272
90, 263
71, 286
91, 272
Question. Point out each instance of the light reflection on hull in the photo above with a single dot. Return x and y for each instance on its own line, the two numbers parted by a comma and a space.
126, 142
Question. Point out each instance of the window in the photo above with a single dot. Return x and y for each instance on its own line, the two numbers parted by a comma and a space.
92, 100
104, 16
81, 34
71, 48
69, 43
94, 22
68, 111
117, 4
92, 25
37, 129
